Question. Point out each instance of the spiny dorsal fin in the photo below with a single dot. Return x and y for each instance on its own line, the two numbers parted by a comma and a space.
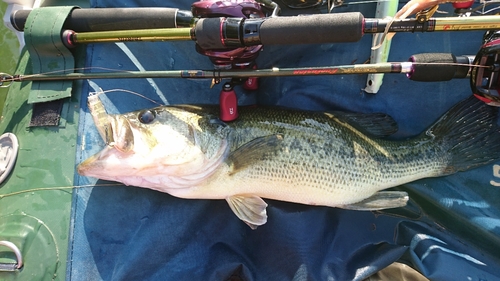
253, 151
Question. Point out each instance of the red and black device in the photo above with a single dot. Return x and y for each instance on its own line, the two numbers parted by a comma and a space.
485, 78
232, 58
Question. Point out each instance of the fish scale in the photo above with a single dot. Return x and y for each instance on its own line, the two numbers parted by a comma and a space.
331, 159
319, 151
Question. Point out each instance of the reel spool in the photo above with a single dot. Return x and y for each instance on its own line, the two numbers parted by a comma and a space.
229, 58
485, 79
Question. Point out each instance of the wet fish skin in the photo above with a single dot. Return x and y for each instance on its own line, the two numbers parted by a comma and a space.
330, 159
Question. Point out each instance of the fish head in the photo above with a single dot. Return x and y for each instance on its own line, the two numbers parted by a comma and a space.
150, 148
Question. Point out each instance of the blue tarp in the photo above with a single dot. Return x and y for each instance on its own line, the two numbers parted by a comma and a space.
450, 229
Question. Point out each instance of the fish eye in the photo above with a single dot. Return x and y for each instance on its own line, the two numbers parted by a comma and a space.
146, 116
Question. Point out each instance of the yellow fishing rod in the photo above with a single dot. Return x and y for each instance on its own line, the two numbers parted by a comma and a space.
85, 26
220, 33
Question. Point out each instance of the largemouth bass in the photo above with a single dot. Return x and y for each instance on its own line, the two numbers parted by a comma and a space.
328, 159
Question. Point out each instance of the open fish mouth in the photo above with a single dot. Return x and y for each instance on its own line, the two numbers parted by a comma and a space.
134, 155
93, 163
118, 135
121, 136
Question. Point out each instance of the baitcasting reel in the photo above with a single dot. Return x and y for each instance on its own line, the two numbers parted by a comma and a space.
485, 79
239, 58
229, 58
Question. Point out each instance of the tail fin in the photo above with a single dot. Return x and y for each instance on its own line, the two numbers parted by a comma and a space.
469, 132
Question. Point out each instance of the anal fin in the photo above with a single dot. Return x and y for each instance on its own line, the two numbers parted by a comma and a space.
249, 208
379, 201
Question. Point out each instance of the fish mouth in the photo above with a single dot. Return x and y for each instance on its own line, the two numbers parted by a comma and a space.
119, 138
85, 166
93, 164
122, 134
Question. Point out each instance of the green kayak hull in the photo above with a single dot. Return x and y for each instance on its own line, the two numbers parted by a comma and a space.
36, 198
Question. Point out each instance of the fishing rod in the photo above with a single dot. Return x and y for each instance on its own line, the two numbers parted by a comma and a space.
422, 67
428, 67
220, 33
105, 19
86, 26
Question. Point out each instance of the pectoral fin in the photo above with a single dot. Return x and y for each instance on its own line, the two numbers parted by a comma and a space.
253, 151
379, 201
249, 208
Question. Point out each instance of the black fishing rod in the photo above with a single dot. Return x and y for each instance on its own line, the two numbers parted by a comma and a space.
421, 67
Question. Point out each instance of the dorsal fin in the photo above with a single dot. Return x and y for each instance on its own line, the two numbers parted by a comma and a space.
374, 124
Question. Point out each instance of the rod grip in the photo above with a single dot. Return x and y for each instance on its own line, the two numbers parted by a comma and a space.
219, 33
108, 19
433, 67
312, 29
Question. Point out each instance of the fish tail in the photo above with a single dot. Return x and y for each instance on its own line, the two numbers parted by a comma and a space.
469, 133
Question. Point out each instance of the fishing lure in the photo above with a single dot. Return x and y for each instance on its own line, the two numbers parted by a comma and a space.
100, 116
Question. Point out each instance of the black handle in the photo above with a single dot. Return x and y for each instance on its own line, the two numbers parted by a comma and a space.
432, 67
218, 33
108, 19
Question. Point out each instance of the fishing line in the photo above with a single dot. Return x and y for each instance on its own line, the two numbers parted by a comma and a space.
483, 6
60, 188
345, 4
490, 10
139, 66
5, 77
130, 92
